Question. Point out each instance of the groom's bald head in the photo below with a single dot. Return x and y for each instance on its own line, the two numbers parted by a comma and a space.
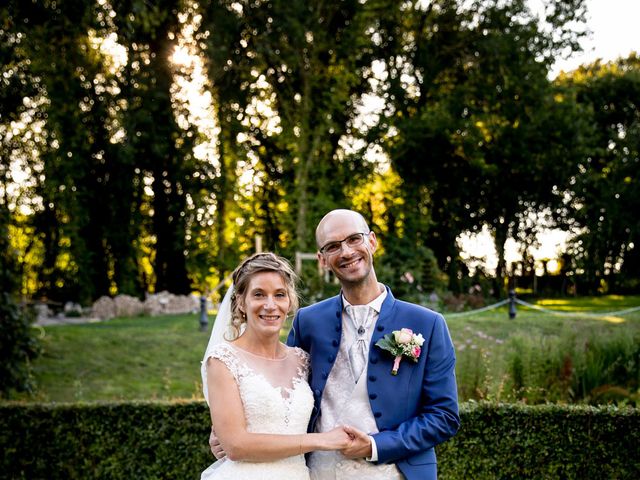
339, 219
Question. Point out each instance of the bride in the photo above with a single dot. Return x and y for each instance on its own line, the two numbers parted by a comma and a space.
256, 387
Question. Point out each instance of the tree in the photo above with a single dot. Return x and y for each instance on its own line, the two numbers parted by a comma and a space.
18, 344
301, 67
469, 143
606, 194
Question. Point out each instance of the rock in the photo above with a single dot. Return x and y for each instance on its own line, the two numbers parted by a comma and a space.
104, 308
72, 309
128, 306
163, 303
42, 311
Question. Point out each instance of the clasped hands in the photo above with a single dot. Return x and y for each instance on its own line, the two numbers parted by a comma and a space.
357, 444
351, 442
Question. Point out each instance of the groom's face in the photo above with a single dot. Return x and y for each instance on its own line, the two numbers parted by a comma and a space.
352, 264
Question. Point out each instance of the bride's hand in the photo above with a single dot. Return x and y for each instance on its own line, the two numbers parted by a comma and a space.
336, 439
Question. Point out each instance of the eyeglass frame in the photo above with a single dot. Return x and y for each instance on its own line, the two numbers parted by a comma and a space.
323, 251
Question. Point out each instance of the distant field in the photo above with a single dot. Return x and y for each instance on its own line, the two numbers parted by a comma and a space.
159, 357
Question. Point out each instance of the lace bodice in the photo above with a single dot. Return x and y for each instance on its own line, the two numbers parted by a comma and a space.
276, 399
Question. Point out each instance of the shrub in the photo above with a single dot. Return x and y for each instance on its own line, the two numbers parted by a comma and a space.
542, 442
592, 369
169, 440
18, 347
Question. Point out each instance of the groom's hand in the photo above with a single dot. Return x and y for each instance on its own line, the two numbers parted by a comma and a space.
360, 446
216, 448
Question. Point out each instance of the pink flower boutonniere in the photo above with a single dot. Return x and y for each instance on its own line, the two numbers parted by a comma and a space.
402, 343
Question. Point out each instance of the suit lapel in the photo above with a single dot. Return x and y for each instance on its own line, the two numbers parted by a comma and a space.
386, 319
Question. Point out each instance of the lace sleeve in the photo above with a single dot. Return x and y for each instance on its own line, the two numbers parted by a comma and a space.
303, 363
226, 355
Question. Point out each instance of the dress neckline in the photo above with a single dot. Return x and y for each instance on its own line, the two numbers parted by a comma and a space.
286, 353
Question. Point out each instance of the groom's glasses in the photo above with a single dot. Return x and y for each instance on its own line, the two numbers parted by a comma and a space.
332, 248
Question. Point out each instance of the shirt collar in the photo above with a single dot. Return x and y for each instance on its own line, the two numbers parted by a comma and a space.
376, 303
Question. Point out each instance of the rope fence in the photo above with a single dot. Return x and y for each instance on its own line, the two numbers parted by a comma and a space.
565, 313
512, 301
478, 310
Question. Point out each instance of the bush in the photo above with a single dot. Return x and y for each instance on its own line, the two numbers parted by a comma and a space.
169, 440
18, 347
588, 368
115, 441
543, 442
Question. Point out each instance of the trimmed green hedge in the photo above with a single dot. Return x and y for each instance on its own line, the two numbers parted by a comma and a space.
169, 440
543, 442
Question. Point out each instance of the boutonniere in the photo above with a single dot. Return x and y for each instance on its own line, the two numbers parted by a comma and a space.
402, 343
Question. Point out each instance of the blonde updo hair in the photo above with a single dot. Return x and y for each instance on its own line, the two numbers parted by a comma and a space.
242, 275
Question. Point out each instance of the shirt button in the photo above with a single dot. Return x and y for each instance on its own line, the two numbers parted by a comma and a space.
331, 358
380, 328
373, 396
338, 328
377, 414
335, 343
325, 375
317, 393
374, 360
372, 378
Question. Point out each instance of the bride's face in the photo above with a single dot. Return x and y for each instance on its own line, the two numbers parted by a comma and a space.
266, 302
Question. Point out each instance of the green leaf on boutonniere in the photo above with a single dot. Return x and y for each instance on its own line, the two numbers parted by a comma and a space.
388, 343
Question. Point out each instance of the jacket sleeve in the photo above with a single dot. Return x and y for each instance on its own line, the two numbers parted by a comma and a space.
436, 418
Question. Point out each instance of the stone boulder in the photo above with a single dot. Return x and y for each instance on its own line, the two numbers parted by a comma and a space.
164, 303
104, 308
128, 306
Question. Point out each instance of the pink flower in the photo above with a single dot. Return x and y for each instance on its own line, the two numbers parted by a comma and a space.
416, 351
403, 336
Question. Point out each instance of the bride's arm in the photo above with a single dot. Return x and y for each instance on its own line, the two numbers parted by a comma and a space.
230, 426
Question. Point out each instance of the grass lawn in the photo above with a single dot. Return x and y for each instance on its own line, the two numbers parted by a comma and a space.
159, 357
123, 359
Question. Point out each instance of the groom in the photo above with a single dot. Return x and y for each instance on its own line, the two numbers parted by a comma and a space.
406, 414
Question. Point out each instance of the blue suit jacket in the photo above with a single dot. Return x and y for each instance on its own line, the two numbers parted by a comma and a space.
415, 410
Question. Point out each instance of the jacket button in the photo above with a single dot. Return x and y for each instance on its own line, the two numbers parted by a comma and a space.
331, 358
335, 343
377, 414
380, 328
373, 396
374, 360
372, 378
325, 375
317, 393
337, 328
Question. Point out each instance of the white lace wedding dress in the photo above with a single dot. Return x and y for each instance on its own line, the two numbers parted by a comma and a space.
277, 399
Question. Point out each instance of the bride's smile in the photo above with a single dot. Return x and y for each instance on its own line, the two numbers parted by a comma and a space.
266, 303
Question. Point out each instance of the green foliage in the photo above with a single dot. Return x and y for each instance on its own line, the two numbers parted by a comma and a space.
117, 359
480, 138
118, 441
18, 347
410, 270
573, 362
607, 191
119, 200
169, 440
515, 441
